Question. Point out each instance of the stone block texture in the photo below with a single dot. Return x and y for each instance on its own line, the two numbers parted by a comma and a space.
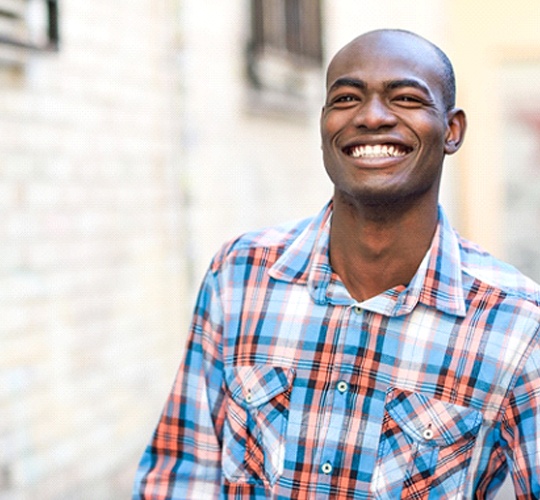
91, 230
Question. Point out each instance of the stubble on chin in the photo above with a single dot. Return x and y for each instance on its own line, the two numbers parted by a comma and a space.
380, 206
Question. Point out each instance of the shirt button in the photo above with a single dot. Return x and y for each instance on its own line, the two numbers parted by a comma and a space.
428, 434
342, 386
327, 467
357, 309
249, 398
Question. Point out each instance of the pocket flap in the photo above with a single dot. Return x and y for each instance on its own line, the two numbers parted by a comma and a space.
252, 386
430, 420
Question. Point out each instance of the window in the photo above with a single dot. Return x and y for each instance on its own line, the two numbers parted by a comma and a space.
285, 48
29, 24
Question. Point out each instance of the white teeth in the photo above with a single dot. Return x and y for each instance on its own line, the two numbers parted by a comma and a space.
377, 151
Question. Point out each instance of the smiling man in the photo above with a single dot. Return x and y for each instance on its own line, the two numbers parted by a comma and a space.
387, 123
367, 352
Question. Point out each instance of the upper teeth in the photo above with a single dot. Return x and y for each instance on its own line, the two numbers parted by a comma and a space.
376, 151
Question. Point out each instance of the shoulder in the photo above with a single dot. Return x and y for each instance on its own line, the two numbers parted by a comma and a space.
496, 273
269, 242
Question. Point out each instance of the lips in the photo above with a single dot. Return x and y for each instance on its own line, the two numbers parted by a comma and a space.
383, 150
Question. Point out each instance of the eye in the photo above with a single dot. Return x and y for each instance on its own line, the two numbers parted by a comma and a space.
409, 101
344, 99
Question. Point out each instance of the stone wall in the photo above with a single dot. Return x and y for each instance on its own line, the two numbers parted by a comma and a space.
91, 269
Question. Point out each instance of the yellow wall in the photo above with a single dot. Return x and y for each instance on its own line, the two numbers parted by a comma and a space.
483, 36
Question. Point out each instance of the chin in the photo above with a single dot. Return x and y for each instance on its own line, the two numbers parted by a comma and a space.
385, 199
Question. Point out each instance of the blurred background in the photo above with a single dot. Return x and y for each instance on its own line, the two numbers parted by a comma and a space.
137, 135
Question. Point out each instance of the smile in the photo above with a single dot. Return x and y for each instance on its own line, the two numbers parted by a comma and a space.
377, 151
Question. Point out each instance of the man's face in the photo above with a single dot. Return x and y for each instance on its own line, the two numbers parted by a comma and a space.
384, 126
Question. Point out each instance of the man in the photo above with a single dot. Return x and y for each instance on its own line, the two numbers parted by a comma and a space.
369, 352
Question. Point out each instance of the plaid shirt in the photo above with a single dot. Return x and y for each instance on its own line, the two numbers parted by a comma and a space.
292, 389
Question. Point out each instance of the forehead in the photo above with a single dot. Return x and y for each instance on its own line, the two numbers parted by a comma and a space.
383, 57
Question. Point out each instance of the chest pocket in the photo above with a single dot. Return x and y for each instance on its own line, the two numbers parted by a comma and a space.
425, 447
256, 422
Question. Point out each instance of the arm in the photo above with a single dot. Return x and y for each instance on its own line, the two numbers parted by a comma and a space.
183, 459
521, 429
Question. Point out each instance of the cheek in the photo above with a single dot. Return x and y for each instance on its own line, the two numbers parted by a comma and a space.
325, 130
331, 125
433, 133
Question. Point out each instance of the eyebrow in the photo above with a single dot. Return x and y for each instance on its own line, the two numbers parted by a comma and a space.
390, 85
407, 82
348, 82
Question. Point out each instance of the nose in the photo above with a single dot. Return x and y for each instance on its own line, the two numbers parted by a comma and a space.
374, 114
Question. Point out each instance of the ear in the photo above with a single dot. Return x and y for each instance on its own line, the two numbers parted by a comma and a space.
455, 130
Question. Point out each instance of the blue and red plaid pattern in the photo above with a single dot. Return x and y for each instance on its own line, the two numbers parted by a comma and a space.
292, 389
429, 439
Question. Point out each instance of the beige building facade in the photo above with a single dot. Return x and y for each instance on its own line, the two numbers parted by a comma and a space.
131, 154
497, 54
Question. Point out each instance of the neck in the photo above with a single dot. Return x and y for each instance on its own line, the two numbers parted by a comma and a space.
377, 247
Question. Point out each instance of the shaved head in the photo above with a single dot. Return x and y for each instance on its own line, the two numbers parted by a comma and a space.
424, 47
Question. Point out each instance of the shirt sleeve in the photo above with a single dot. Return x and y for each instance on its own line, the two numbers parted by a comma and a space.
183, 459
521, 429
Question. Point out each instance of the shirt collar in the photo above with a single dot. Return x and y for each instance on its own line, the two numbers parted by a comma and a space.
437, 282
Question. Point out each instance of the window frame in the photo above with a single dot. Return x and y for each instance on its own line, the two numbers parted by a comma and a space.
52, 42
284, 51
